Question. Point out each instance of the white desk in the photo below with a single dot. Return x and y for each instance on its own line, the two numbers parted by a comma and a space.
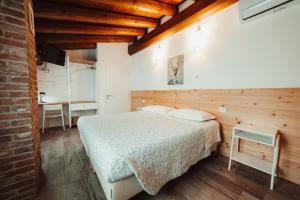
66, 102
74, 106
262, 135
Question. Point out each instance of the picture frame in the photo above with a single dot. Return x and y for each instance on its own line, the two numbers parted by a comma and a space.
175, 70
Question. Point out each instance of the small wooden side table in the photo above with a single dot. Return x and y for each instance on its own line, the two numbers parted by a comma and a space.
258, 134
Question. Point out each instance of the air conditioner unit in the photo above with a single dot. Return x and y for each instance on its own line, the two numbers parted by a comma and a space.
252, 8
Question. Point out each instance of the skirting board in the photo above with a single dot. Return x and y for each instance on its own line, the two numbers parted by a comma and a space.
276, 107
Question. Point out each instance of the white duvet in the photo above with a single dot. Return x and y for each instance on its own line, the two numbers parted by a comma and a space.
154, 147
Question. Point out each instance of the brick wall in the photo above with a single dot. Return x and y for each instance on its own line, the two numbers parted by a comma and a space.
19, 132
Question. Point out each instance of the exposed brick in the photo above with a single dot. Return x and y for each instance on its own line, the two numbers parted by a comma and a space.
6, 194
7, 181
18, 94
18, 79
12, 35
21, 122
4, 94
21, 136
14, 4
26, 195
23, 149
12, 28
5, 167
5, 124
10, 42
14, 102
12, 56
24, 163
13, 65
14, 116
4, 109
18, 143
16, 185
28, 188
11, 12
8, 131
13, 68
19, 117
17, 171
10, 53
11, 86
13, 20
24, 176
4, 139
5, 152
3, 79
16, 158
21, 108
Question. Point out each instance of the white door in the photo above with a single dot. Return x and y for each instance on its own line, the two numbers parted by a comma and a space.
114, 93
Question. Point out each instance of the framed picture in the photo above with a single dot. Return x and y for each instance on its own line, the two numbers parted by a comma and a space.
31, 19
175, 70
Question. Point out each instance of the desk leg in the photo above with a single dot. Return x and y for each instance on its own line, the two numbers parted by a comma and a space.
231, 151
274, 164
70, 120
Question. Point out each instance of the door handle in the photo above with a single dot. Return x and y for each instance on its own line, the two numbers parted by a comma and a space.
108, 96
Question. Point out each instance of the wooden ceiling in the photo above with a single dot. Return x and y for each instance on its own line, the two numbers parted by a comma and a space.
80, 24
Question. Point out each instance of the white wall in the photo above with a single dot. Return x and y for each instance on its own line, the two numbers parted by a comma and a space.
54, 83
264, 53
83, 82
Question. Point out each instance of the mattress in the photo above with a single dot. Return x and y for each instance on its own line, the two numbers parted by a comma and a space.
120, 144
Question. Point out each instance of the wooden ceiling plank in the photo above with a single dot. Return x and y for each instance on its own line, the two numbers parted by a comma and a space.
197, 11
146, 8
77, 46
74, 39
70, 13
85, 29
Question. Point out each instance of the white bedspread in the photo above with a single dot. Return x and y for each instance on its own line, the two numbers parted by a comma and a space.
155, 148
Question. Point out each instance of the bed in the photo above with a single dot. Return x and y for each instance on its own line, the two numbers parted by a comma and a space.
136, 151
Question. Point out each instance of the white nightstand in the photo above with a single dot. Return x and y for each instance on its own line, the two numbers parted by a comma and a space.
262, 135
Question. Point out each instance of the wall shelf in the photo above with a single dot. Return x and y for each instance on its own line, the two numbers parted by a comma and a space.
82, 61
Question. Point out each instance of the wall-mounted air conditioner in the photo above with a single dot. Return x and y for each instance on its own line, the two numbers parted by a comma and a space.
252, 8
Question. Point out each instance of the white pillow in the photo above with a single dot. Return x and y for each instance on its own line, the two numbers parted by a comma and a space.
157, 109
189, 114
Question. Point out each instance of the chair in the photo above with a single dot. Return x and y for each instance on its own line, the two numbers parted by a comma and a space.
53, 114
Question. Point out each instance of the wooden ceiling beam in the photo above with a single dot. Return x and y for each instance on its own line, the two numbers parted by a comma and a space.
77, 39
146, 8
70, 13
77, 46
197, 11
171, 2
84, 29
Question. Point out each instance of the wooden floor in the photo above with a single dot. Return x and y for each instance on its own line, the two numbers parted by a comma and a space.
67, 176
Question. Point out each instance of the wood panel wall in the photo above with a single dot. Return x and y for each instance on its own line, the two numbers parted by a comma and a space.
278, 108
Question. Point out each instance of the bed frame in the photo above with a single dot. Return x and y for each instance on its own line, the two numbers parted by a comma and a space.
128, 187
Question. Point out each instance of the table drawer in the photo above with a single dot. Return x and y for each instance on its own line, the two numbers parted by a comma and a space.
84, 106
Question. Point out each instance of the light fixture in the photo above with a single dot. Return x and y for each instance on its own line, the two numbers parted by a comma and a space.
159, 46
195, 39
158, 54
198, 26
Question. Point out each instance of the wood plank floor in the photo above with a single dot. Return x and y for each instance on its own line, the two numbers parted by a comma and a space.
68, 177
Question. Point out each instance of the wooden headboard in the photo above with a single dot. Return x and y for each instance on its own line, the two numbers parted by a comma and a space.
279, 108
